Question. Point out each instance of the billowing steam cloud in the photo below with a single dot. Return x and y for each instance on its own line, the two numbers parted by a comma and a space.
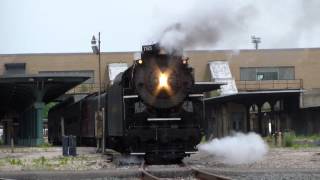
230, 24
204, 27
237, 149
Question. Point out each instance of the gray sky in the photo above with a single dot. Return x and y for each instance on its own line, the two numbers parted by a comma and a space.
53, 26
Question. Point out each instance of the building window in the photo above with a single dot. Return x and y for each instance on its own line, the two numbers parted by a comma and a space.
266, 73
89, 73
15, 68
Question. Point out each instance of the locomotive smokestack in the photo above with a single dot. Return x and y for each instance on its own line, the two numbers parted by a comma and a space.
158, 49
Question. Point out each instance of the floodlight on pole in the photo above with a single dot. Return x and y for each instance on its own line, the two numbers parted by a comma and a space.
94, 46
256, 41
96, 50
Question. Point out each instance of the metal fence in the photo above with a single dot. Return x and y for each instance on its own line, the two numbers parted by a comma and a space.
269, 85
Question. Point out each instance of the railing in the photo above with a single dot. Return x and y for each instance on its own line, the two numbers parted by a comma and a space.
269, 85
85, 89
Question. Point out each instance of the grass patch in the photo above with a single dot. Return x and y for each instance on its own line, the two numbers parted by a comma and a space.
63, 161
270, 140
288, 139
14, 162
45, 146
2, 162
41, 162
298, 146
314, 137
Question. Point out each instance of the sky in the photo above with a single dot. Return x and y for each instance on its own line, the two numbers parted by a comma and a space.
67, 26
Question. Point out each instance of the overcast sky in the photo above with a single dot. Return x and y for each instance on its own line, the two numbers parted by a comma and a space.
54, 26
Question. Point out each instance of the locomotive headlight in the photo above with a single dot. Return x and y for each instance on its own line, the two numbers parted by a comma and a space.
163, 80
184, 61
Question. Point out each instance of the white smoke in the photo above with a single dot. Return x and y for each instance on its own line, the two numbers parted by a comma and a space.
228, 24
205, 25
236, 149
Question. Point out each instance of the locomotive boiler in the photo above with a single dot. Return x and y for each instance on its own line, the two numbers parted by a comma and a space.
155, 107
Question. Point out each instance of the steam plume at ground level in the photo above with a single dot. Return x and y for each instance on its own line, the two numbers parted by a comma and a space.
236, 149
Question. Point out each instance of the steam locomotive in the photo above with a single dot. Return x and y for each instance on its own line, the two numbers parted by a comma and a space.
154, 108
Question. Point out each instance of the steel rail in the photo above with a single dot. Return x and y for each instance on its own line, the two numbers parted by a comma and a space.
146, 175
198, 173
204, 175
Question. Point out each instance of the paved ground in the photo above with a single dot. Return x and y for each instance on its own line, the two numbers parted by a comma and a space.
47, 163
73, 175
279, 163
50, 158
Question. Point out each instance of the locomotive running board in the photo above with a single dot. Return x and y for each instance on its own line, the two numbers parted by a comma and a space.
142, 153
164, 119
196, 95
138, 153
136, 96
130, 96
191, 152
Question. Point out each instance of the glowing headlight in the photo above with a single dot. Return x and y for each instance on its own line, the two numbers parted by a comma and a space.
163, 80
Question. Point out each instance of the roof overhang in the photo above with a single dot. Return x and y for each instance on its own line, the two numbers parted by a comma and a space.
201, 87
243, 97
17, 92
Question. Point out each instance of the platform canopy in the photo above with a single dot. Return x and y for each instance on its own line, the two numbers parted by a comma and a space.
17, 92
22, 99
253, 96
200, 87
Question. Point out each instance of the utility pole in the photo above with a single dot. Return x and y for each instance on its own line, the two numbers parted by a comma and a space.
256, 41
97, 50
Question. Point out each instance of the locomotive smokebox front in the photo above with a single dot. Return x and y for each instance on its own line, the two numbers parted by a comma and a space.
162, 80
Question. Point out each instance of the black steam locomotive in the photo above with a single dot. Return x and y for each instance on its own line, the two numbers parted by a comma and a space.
154, 108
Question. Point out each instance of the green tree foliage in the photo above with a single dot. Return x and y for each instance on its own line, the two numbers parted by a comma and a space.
47, 108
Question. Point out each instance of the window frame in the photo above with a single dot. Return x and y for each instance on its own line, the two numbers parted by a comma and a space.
256, 69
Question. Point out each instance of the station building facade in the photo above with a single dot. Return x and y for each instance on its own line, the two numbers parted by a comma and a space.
281, 84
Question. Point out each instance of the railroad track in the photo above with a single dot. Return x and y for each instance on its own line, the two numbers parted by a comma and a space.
197, 173
204, 175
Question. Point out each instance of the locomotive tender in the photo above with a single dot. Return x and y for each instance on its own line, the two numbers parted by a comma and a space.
154, 108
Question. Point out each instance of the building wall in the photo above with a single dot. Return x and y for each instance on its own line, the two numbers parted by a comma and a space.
305, 61
65, 62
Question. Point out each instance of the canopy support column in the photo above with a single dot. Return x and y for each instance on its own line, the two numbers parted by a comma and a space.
38, 106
